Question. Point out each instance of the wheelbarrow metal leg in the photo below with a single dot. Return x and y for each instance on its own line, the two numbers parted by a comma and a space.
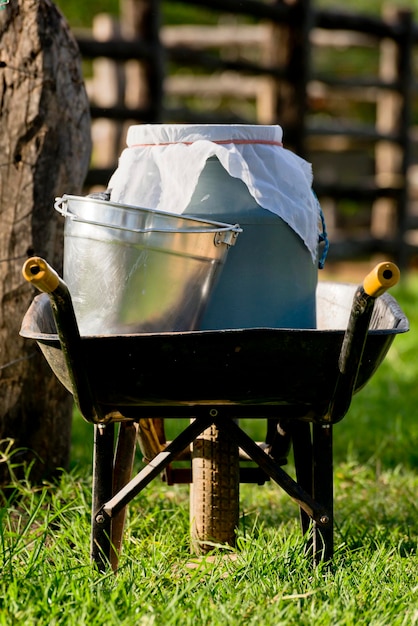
102, 491
302, 454
323, 491
122, 473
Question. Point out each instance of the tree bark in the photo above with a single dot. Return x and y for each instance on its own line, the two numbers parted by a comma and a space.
44, 152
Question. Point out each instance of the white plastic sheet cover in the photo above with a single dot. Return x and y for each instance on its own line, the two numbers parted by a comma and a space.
161, 166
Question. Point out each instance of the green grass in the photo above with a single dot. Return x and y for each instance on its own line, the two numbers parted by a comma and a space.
46, 577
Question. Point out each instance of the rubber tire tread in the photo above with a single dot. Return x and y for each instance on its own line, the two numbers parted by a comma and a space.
214, 492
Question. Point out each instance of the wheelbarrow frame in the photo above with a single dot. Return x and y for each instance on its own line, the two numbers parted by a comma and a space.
311, 416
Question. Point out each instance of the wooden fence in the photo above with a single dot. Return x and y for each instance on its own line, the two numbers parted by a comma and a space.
319, 74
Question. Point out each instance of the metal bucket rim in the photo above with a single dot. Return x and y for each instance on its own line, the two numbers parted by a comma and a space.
60, 205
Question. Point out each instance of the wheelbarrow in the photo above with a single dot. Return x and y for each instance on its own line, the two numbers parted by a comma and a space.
300, 380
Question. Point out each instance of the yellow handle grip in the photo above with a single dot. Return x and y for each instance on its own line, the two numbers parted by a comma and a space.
381, 278
37, 271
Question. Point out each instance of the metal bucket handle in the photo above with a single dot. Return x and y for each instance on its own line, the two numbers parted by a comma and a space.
225, 233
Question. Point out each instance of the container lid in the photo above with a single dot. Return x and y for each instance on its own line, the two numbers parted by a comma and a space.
162, 164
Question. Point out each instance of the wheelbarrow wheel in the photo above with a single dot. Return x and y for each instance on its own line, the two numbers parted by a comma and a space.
214, 492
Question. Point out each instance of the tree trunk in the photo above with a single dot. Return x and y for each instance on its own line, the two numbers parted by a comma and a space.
44, 152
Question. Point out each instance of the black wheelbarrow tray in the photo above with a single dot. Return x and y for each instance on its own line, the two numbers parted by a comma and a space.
300, 375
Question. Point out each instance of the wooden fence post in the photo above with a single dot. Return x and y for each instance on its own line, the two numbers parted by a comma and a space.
106, 89
141, 19
405, 73
393, 118
293, 52
44, 152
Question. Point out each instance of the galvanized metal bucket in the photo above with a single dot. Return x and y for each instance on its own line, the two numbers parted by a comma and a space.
133, 270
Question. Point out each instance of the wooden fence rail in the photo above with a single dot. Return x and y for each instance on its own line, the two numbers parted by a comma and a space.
273, 71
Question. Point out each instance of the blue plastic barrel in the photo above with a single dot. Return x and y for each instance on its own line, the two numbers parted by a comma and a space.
270, 278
